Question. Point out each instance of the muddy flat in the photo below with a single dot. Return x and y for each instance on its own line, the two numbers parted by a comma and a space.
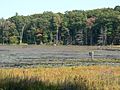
15, 55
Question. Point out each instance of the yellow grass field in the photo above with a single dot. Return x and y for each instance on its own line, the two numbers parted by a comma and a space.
62, 78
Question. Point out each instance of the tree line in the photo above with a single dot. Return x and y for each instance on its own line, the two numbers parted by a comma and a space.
77, 27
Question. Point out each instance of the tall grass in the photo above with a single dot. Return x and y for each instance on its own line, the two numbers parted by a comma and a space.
64, 78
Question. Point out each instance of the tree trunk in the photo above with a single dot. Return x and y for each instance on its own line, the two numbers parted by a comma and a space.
91, 38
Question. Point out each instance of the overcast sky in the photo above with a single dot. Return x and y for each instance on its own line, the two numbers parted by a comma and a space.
8, 8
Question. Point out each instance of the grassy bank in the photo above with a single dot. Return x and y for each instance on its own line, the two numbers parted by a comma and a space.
63, 78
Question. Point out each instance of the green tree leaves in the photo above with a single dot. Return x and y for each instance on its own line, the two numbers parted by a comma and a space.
92, 27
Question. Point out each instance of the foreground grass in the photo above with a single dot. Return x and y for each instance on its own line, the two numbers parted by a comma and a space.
64, 78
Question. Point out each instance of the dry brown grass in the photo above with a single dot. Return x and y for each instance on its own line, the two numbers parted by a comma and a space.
90, 77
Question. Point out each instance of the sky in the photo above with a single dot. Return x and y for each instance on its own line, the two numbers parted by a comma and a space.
8, 8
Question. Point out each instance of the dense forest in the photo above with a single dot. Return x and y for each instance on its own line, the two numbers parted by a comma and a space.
77, 27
